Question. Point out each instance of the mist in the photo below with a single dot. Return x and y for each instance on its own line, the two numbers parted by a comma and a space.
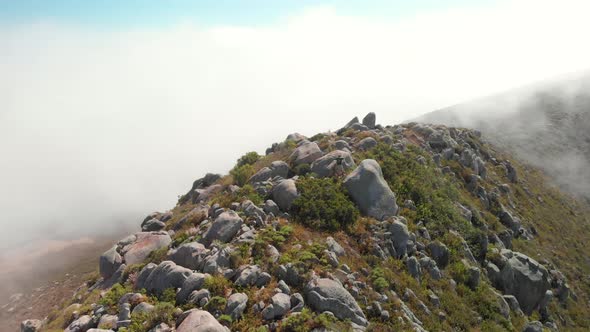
545, 124
100, 126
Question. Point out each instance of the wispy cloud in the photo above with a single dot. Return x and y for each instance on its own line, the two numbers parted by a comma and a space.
96, 125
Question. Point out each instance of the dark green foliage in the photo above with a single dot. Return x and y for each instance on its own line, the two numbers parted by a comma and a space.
241, 174
217, 285
216, 303
168, 295
111, 298
323, 204
248, 159
378, 278
145, 321
302, 169
269, 236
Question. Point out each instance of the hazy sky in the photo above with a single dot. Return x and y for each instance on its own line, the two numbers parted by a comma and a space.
110, 111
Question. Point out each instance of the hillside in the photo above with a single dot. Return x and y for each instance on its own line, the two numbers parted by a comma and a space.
381, 228
547, 124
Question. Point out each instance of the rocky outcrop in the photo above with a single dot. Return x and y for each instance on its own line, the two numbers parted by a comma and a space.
284, 194
328, 295
224, 228
157, 278
142, 244
277, 168
305, 153
325, 166
109, 262
370, 192
200, 321
521, 276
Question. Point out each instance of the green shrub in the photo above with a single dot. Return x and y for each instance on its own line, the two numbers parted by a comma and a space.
168, 295
297, 323
302, 169
216, 303
217, 285
225, 320
323, 204
248, 159
241, 174
145, 321
111, 298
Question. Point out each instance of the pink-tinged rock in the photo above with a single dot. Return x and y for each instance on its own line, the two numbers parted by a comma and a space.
200, 321
144, 244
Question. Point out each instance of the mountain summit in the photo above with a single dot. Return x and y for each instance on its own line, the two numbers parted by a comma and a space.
409, 227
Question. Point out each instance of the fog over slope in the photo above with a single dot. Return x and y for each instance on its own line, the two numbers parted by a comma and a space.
547, 124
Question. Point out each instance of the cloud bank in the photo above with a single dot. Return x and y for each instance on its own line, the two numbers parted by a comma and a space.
99, 127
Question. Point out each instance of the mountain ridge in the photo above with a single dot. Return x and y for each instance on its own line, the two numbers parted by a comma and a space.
407, 227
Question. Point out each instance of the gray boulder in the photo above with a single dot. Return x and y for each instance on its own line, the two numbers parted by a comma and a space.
521, 276
224, 228
440, 253
31, 325
193, 282
143, 245
153, 225
284, 194
335, 246
200, 321
369, 190
341, 145
81, 324
366, 143
271, 207
143, 307
414, 268
109, 262
400, 237
236, 304
248, 276
305, 153
324, 166
189, 255
534, 326
157, 278
328, 295
369, 120
279, 306
276, 168
352, 122
295, 137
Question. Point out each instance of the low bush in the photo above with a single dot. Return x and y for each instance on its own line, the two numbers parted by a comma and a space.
323, 204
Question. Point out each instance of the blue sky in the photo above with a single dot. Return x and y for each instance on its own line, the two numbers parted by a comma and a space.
117, 13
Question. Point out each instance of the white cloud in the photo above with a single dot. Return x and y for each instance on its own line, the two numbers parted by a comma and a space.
96, 124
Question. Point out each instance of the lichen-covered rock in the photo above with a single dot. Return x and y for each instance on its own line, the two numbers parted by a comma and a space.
305, 153
200, 321
236, 304
521, 276
371, 193
143, 245
189, 255
326, 165
284, 194
157, 278
369, 120
224, 228
328, 295
31, 325
109, 262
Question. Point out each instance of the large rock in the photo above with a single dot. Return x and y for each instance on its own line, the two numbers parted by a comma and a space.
156, 279
305, 153
284, 194
324, 166
31, 325
370, 120
366, 144
81, 324
400, 237
521, 276
328, 295
109, 262
369, 190
276, 168
143, 245
440, 253
193, 282
201, 183
224, 228
236, 304
200, 321
279, 306
189, 255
